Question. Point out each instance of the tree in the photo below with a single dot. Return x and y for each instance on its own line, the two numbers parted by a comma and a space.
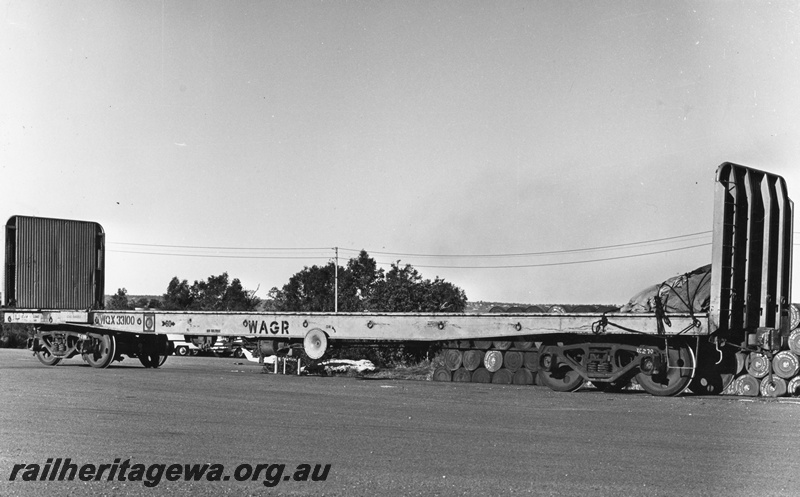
178, 296
274, 301
312, 289
214, 294
404, 290
363, 272
363, 286
119, 301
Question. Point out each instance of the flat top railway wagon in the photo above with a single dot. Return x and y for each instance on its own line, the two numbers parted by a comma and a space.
55, 281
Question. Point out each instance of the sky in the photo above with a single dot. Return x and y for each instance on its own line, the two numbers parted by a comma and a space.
255, 137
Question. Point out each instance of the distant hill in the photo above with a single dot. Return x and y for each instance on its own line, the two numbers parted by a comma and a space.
480, 306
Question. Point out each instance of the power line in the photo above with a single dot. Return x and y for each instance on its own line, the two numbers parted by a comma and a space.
297, 249
328, 257
564, 263
219, 256
551, 252
218, 248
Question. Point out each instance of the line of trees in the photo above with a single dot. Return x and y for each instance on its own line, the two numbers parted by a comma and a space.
362, 286
217, 293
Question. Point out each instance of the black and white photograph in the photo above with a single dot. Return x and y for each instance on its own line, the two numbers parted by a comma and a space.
399, 248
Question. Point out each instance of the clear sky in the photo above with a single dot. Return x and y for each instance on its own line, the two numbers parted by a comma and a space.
226, 130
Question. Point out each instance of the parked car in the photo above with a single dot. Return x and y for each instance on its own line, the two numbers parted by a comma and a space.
183, 347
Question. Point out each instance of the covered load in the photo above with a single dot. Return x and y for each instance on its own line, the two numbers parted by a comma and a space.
689, 292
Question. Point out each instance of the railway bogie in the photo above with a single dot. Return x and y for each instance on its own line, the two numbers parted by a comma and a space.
98, 348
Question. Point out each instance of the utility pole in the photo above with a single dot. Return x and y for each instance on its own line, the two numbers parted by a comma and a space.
336, 282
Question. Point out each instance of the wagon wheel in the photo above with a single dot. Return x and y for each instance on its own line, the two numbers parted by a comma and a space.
672, 381
773, 387
104, 350
153, 352
152, 359
46, 358
557, 375
144, 358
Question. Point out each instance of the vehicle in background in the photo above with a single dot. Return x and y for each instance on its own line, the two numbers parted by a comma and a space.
219, 346
228, 346
181, 346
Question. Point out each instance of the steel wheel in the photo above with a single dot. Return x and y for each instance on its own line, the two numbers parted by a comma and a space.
785, 364
105, 348
557, 376
152, 359
46, 358
758, 365
773, 387
493, 360
748, 386
672, 381
153, 351
793, 388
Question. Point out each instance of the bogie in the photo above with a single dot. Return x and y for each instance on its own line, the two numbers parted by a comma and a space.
662, 367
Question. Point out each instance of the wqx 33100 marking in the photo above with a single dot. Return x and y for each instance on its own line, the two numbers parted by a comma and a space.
117, 320
266, 327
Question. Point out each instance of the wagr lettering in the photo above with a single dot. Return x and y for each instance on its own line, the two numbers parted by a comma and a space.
116, 320
257, 327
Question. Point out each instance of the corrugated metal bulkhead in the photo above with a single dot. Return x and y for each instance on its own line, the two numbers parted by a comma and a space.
54, 264
752, 252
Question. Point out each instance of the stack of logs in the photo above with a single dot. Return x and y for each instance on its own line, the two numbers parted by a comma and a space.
479, 361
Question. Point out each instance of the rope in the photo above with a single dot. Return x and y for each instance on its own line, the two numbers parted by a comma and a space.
599, 326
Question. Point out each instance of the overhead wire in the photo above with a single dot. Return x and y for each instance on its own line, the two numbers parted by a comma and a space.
221, 256
295, 256
564, 263
527, 254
